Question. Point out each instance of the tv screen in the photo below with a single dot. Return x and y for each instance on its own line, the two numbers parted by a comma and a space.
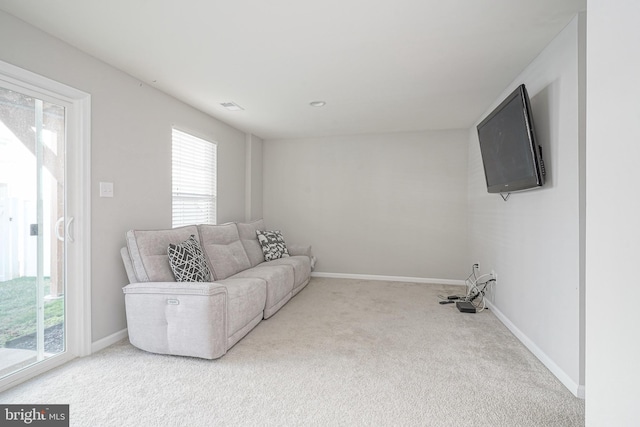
511, 157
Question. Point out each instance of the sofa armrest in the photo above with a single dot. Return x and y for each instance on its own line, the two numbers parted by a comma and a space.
305, 250
186, 319
175, 288
295, 250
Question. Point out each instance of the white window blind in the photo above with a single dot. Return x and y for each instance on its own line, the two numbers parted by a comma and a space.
194, 180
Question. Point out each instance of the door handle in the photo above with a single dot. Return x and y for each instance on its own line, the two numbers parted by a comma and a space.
67, 230
57, 228
71, 239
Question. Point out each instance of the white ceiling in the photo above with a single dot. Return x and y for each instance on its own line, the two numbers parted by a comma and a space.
380, 65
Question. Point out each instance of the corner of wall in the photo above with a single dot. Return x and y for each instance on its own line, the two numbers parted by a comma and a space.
582, 153
247, 180
253, 177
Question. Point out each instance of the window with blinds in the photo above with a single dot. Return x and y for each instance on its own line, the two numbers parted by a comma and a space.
193, 180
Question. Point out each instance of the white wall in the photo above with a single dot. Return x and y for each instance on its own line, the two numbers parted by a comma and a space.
613, 206
384, 204
533, 241
131, 147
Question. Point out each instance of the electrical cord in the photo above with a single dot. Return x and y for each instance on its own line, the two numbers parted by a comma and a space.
468, 283
475, 290
451, 297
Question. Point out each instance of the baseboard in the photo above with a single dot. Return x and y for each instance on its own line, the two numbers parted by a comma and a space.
110, 340
389, 278
576, 389
580, 392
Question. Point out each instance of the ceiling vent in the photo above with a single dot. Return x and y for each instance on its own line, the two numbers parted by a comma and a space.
231, 106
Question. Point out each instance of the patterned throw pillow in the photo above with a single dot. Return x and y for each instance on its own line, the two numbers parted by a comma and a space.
187, 261
273, 246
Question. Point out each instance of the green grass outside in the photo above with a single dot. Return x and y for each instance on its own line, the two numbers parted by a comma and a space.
18, 313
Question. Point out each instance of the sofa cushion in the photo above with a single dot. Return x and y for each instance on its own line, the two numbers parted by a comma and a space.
273, 245
187, 261
301, 267
223, 249
245, 300
249, 239
148, 251
279, 279
128, 265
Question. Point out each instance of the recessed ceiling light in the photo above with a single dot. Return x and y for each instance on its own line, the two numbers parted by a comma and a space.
231, 106
317, 103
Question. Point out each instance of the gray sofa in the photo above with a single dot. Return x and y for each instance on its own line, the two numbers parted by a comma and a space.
206, 319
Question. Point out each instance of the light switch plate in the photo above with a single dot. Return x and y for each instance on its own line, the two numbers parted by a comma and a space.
106, 189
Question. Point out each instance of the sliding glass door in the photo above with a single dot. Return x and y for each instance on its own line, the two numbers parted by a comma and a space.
34, 228
45, 248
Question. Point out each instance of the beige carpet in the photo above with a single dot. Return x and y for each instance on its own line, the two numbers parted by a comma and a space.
340, 353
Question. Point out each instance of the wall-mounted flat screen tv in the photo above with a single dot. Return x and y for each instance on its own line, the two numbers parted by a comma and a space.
511, 157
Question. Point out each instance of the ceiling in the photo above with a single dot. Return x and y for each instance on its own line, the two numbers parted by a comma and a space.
380, 65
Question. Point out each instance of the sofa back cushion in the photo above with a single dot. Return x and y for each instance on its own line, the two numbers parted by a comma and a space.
224, 251
148, 252
250, 241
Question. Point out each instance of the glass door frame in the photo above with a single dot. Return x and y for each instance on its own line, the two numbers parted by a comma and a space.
78, 206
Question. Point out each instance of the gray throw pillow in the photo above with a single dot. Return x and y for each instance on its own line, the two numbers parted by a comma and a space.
272, 243
187, 261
